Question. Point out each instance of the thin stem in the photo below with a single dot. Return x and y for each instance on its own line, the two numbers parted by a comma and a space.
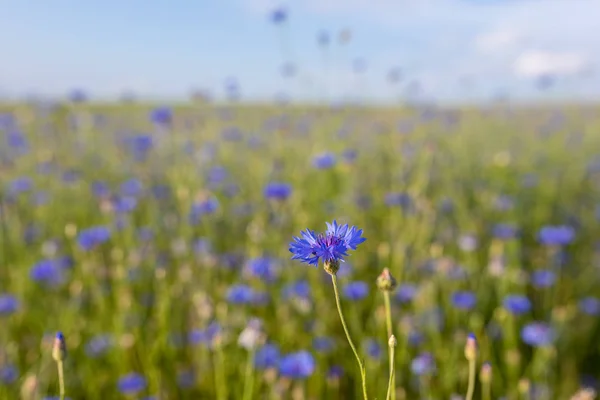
361, 366
391, 389
61, 380
220, 381
249, 378
486, 391
471, 387
388, 324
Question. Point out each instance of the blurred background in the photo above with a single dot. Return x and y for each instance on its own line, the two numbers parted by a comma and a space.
158, 158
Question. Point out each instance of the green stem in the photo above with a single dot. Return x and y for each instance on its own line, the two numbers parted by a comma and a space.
391, 389
361, 366
388, 324
61, 380
486, 391
249, 378
471, 387
220, 381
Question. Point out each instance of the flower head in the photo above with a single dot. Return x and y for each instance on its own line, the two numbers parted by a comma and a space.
331, 247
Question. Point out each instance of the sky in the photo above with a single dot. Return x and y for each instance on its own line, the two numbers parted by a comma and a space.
446, 50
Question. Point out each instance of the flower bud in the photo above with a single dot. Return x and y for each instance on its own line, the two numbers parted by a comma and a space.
485, 375
59, 350
392, 342
471, 347
331, 267
385, 281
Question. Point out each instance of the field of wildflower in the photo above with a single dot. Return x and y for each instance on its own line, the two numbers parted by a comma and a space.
146, 252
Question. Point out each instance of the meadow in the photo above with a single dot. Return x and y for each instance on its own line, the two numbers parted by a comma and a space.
157, 240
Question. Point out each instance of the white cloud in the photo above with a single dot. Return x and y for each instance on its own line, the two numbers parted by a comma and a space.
535, 63
499, 40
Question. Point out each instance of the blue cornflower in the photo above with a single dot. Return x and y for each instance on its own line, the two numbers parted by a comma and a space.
331, 247
8, 374
324, 160
590, 306
556, 235
278, 191
263, 268
20, 185
131, 187
373, 348
206, 336
349, 155
98, 345
131, 384
243, 294
423, 364
356, 290
300, 289
203, 207
323, 344
91, 237
100, 189
335, 372
216, 175
46, 272
464, 300
516, 304
543, 278
537, 334
8, 304
140, 146
267, 357
406, 293
504, 231
297, 365
402, 200
124, 204
161, 116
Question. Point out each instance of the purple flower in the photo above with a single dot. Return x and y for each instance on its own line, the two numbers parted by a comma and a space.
356, 290
263, 268
504, 231
298, 289
8, 304
324, 160
267, 357
92, 237
332, 246
373, 348
537, 334
423, 364
278, 191
46, 272
298, 365
516, 304
590, 306
131, 384
242, 294
543, 278
8, 374
464, 300
556, 235
162, 116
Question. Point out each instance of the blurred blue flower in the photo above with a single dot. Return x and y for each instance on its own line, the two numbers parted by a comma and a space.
373, 348
131, 187
323, 344
92, 237
100, 189
46, 272
335, 372
298, 365
8, 304
263, 267
357, 290
267, 357
330, 247
161, 116
464, 300
349, 155
402, 200
216, 175
556, 235
537, 334
543, 278
278, 15
206, 336
124, 204
406, 293
278, 191
423, 364
20, 185
243, 294
516, 304
131, 384
590, 306
8, 374
186, 379
299, 289
203, 207
324, 160
98, 345
505, 231
139, 146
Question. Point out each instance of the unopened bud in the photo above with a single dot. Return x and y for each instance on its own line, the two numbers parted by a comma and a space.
59, 350
385, 281
392, 342
485, 375
331, 267
524, 386
471, 347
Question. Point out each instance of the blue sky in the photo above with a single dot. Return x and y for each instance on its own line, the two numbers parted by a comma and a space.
162, 49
